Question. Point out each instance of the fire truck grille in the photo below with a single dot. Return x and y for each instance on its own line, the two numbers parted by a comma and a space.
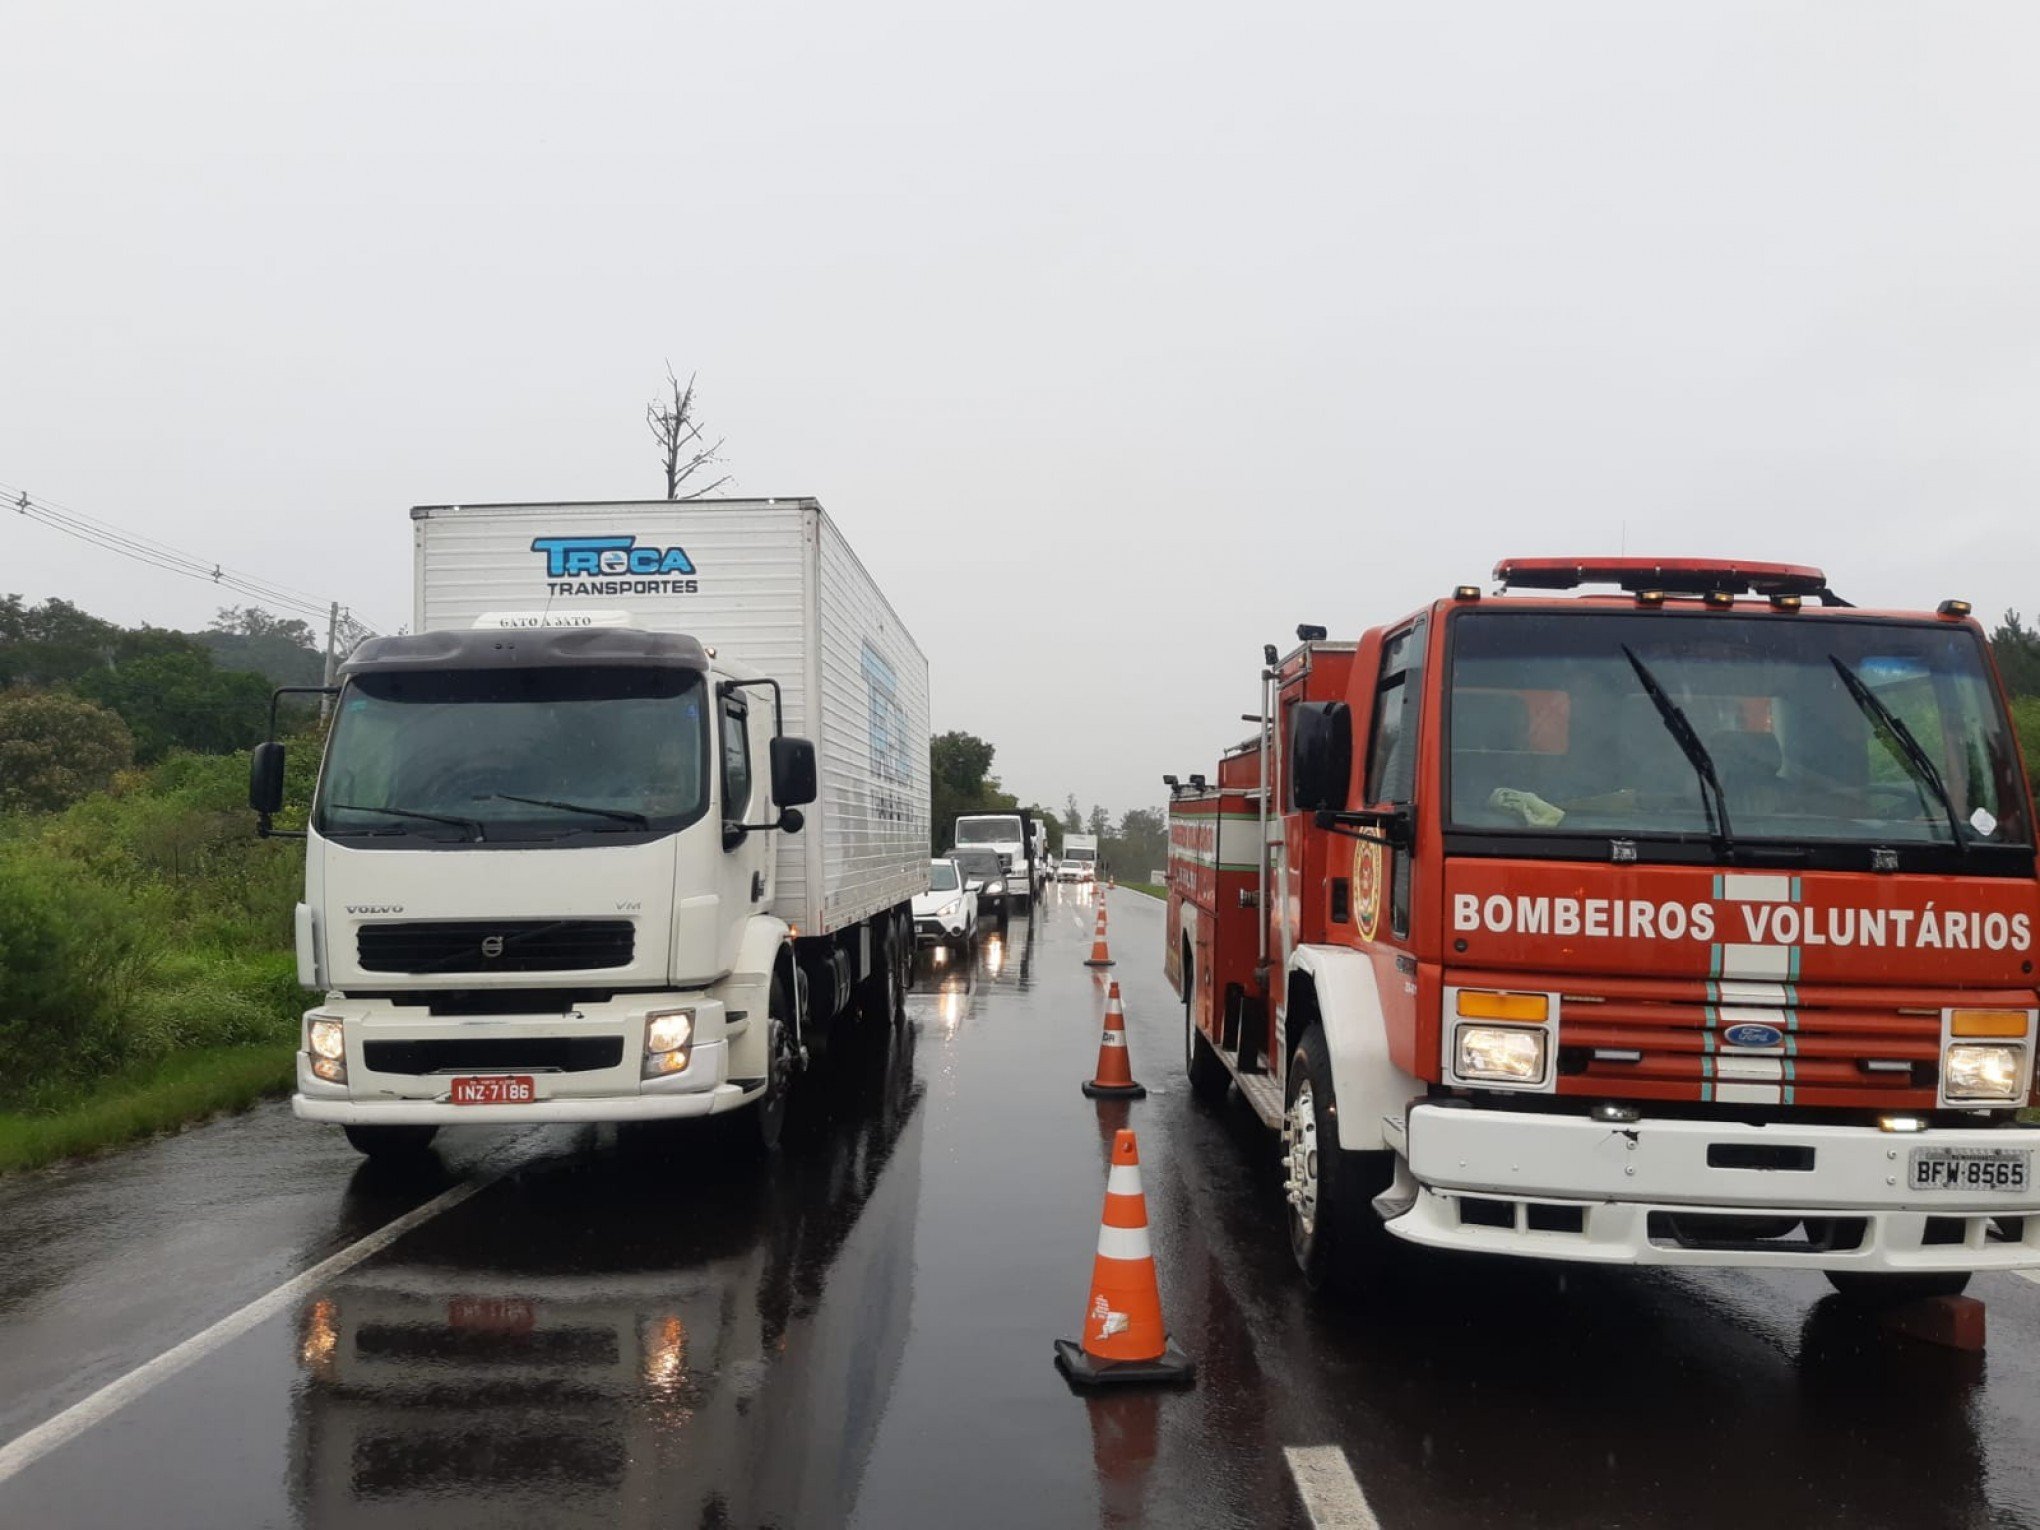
496, 945
1799, 1044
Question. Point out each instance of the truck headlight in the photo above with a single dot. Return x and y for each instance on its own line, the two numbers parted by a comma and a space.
1982, 1073
669, 1041
326, 1042
1499, 1054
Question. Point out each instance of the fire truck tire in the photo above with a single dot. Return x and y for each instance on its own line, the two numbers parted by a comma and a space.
1210, 1080
1339, 1242
389, 1141
1865, 1289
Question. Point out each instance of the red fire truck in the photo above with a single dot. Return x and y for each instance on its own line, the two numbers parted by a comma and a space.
1687, 922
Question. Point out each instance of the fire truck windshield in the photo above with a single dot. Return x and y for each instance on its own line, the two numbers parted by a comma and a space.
1552, 732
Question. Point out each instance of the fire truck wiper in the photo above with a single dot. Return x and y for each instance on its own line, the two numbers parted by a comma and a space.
1917, 760
1680, 726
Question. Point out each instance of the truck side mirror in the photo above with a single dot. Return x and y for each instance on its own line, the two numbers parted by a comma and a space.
793, 771
265, 779
1320, 755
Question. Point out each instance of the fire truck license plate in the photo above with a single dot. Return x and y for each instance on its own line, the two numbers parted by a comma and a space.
496, 1089
1971, 1168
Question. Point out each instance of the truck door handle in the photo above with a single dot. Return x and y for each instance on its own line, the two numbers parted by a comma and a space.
757, 886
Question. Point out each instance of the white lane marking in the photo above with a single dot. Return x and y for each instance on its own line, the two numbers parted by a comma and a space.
22, 1452
1330, 1492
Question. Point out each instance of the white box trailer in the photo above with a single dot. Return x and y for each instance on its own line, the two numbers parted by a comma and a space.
627, 823
770, 582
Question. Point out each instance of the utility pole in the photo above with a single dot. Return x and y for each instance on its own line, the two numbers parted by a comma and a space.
332, 658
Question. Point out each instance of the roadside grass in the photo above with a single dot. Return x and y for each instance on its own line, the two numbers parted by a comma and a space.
1152, 889
143, 1100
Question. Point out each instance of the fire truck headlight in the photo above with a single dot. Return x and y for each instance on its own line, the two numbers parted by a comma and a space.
1983, 1073
1499, 1054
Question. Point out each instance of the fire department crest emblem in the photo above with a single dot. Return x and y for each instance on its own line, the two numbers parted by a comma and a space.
1367, 887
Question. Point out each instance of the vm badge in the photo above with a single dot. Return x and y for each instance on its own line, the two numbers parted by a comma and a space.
1753, 1035
492, 945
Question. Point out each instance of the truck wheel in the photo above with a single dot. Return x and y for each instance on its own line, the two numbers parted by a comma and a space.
1866, 1288
1209, 1077
879, 995
1338, 1240
390, 1141
760, 1125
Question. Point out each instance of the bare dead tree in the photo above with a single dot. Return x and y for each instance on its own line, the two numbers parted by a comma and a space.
679, 436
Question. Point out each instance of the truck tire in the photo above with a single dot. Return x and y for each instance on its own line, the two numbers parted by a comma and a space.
758, 1126
1210, 1079
1866, 1288
1338, 1241
390, 1141
878, 996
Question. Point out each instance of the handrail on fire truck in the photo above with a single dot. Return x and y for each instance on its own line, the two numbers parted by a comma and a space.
1673, 576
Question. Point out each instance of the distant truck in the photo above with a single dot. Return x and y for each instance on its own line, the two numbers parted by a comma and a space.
557, 867
1079, 859
1021, 845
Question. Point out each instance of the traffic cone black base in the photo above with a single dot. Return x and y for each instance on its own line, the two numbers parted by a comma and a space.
1099, 1091
1173, 1368
1092, 961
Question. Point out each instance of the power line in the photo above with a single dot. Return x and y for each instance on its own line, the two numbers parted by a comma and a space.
104, 534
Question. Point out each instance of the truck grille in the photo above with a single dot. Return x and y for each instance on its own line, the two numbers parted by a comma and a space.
495, 1054
496, 945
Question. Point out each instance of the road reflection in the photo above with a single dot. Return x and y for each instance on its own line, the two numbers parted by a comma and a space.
637, 1330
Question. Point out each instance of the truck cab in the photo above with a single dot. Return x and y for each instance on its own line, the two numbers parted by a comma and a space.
1016, 842
1688, 924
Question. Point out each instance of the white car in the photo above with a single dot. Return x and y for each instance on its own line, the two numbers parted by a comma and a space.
947, 913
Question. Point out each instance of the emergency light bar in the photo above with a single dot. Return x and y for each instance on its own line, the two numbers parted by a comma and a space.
1675, 576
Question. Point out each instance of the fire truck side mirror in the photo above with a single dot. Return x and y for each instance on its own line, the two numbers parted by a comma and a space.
1320, 755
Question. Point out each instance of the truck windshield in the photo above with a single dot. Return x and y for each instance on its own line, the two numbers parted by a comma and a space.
515, 756
1080, 853
1553, 731
987, 831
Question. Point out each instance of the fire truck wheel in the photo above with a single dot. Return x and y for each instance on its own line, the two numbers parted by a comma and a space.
1209, 1078
1338, 1240
1862, 1288
389, 1141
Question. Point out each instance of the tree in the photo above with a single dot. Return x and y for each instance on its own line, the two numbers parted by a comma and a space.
678, 433
2016, 647
181, 701
959, 782
1101, 823
56, 748
1073, 816
1141, 844
282, 650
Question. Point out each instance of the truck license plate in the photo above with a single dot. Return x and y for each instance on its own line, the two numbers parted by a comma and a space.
495, 1089
1971, 1168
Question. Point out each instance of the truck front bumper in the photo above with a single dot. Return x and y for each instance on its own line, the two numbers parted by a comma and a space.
378, 1032
1706, 1193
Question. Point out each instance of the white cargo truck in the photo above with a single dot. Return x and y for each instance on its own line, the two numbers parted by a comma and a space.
1079, 859
1019, 843
638, 811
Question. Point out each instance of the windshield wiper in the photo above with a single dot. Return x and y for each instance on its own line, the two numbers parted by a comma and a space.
1917, 760
621, 815
1681, 728
390, 812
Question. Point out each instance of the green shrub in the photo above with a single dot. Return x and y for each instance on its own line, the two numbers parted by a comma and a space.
74, 955
55, 749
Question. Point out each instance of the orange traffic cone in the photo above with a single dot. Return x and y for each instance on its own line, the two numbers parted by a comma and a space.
1101, 955
1124, 1339
1115, 1071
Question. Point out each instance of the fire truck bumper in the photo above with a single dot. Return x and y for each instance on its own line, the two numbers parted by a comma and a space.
1718, 1193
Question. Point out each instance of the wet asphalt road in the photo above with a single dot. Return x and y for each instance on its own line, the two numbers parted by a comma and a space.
629, 1330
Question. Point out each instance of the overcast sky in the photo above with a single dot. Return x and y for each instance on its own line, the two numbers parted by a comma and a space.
1118, 339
